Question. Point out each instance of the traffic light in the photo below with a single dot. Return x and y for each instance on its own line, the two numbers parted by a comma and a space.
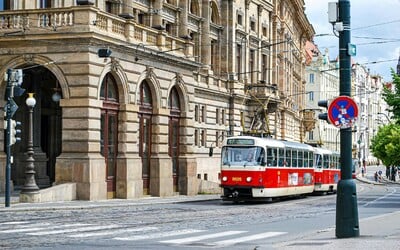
323, 116
14, 78
14, 132
18, 90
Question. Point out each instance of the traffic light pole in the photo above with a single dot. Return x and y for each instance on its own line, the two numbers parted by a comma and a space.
7, 141
346, 204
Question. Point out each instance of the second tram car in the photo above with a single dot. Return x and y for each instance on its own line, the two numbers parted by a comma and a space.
327, 170
254, 168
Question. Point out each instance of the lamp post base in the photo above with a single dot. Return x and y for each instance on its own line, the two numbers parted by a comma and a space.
32, 197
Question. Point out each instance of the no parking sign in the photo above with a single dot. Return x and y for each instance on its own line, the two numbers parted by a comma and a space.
343, 112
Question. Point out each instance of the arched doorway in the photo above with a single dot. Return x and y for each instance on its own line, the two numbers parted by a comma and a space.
47, 127
109, 131
145, 123
173, 147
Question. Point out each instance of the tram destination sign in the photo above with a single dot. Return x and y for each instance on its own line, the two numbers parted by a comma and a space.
343, 112
240, 141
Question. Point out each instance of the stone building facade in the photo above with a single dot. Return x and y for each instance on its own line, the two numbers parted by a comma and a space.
181, 76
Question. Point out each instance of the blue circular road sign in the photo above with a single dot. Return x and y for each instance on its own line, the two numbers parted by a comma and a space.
343, 112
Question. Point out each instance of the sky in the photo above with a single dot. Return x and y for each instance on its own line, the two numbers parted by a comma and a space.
375, 30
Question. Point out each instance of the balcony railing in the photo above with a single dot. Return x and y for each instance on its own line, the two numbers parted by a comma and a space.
84, 19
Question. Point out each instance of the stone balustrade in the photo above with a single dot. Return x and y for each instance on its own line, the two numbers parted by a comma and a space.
83, 19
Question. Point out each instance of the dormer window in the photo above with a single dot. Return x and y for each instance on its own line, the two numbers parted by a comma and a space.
252, 24
240, 19
265, 30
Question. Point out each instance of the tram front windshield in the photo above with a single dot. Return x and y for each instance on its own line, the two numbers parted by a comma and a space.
243, 156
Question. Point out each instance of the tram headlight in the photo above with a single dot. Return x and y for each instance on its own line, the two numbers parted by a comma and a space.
248, 179
224, 178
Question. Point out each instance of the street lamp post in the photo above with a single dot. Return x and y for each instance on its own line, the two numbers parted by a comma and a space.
30, 185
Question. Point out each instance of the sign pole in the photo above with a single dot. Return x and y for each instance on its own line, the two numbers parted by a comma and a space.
346, 202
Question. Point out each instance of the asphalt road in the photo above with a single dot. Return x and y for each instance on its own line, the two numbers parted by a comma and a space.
209, 224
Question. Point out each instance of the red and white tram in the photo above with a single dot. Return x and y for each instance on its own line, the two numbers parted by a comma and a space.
327, 170
257, 168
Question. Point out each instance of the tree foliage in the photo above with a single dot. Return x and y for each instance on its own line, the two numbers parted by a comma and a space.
385, 145
392, 97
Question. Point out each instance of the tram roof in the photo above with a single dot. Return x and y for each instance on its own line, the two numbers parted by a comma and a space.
260, 140
298, 145
322, 151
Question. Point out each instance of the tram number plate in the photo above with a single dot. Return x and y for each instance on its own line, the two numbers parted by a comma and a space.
236, 178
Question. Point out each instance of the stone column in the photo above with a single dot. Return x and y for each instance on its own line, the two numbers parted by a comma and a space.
183, 18
129, 165
157, 21
205, 33
161, 181
127, 10
80, 160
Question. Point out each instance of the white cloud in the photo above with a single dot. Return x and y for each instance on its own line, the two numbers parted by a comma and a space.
373, 24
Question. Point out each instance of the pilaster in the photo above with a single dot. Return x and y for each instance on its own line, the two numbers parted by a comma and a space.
129, 165
80, 160
161, 181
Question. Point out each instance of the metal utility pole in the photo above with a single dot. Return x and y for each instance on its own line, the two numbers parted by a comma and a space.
346, 204
9, 94
13, 88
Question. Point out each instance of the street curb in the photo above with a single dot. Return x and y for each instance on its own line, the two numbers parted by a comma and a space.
79, 204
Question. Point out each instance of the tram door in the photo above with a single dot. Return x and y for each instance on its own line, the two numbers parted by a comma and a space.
109, 132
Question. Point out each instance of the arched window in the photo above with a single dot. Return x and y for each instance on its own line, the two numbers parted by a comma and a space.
214, 13
145, 99
174, 135
174, 103
145, 124
194, 7
108, 91
109, 130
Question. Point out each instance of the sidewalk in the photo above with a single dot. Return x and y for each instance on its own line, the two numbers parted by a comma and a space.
379, 232
83, 204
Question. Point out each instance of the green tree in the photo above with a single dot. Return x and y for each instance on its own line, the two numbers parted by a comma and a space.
385, 145
392, 97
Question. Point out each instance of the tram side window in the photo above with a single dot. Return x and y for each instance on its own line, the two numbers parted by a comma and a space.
271, 156
326, 161
281, 157
294, 158
227, 157
288, 158
318, 159
301, 159
305, 159
337, 162
310, 160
